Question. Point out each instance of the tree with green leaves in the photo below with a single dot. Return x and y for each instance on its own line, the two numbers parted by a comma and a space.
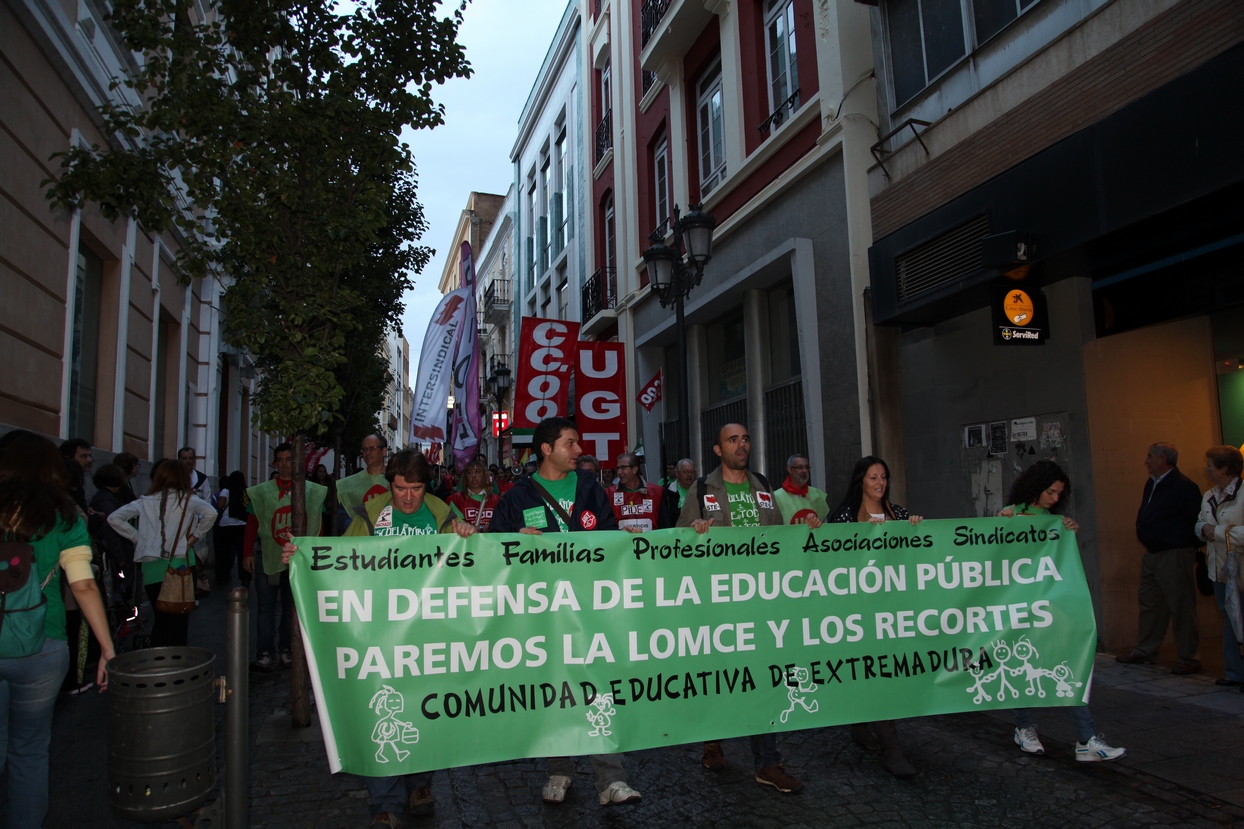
268, 142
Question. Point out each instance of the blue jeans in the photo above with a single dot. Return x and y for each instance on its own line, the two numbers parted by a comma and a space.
28, 690
1232, 663
1080, 715
389, 794
266, 596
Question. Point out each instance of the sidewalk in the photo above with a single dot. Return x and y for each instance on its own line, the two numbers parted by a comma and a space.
1185, 767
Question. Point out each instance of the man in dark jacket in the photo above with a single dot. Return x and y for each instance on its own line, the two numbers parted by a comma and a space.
1164, 524
528, 508
733, 496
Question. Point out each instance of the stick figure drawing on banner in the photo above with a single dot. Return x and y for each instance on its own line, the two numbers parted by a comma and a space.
798, 684
389, 731
602, 716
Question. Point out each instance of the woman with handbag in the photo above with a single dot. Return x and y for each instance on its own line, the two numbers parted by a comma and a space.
44, 540
170, 519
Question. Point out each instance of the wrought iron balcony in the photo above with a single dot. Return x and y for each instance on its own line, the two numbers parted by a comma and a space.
649, 81
497, 302
600, 293
781, 113
650, 15
604, 135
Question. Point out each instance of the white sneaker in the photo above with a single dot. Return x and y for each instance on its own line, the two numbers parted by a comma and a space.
555, 788
1026, 739
1098, 750
619, 792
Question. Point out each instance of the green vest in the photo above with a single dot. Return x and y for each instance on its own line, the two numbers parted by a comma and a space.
358, 488
364, 522
791, 505
274, 515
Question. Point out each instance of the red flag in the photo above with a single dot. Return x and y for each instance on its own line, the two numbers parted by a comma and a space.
546, 354
600, 386
651, 392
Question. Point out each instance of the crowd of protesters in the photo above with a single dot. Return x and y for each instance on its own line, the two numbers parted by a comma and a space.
98, 559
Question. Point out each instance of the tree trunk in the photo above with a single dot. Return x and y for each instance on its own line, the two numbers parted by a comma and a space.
299, 701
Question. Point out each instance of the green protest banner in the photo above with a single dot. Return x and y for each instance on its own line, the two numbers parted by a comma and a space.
434, 651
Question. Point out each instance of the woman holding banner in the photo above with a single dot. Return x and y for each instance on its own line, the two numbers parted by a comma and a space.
1040, 490
868, 500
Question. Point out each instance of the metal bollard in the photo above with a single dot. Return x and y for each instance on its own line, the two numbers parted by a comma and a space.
237, 715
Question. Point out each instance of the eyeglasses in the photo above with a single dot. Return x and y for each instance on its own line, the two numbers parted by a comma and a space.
628, 466
801, 468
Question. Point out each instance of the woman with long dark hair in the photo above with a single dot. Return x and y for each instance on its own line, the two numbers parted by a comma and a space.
170, 519
36, 511
868, 500
1041, 489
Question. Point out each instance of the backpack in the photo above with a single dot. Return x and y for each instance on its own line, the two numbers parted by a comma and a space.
23, 607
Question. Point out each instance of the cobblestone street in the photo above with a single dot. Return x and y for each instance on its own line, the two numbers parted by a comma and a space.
1185, 738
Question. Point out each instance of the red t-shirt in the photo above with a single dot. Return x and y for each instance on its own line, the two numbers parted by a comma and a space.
635, 508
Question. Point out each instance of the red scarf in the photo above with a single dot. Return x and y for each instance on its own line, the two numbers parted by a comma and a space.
789, 486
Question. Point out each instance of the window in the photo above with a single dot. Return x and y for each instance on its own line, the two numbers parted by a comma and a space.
780, 49
661, 181
606, 90
563, 300
546, 235
710, 122
611, 252
84, 359
531, 223
927, 37
559, 201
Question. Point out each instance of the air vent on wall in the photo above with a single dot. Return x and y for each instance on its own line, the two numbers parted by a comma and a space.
953, 255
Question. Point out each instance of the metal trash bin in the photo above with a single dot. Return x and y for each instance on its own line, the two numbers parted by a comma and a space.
161, 732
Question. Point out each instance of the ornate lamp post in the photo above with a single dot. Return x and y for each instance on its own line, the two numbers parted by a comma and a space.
672, 276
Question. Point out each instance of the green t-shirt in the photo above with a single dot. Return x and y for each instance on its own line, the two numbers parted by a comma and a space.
682, 495
396, 522
47, 550
563, 491
743, 510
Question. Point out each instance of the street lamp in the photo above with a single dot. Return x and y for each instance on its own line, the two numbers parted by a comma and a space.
673, 277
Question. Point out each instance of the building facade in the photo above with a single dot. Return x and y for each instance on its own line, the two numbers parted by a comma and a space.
761, 111
494, 270
100, 339
1078, 153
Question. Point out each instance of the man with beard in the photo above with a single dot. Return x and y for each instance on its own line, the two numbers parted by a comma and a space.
733, 496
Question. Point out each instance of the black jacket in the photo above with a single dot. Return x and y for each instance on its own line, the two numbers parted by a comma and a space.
589, 501
110, 542
1166, 521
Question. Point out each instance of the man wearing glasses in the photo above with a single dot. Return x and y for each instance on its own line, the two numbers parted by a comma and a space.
798, 502
353, 491
635, 503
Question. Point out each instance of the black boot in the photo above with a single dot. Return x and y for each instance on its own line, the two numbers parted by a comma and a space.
892, 756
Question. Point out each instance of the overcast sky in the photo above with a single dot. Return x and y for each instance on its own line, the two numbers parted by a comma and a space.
506, 41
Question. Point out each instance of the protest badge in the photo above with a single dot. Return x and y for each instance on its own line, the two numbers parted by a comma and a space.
437, 651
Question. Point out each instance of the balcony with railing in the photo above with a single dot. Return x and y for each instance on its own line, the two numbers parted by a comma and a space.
668, 28
497, 302
600, 297
650, 14
604, 136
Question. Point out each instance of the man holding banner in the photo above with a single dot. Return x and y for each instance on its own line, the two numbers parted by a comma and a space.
733, 496
404, 508
558, 497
